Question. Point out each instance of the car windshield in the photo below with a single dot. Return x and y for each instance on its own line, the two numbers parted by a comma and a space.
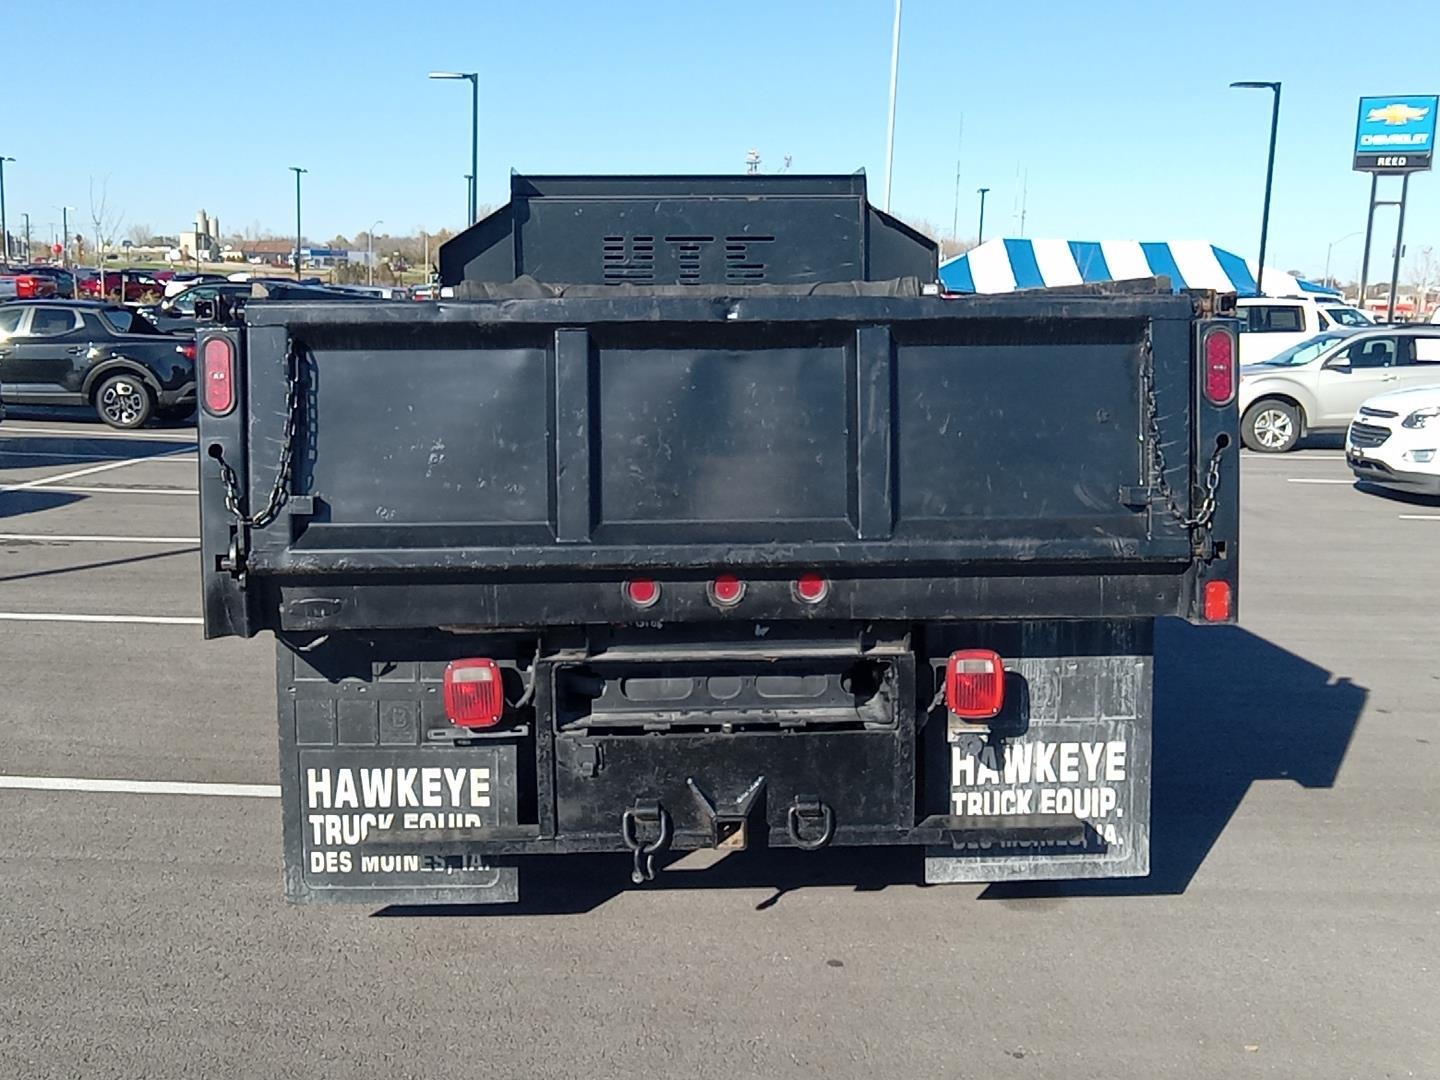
125, 321
1304, 352
1347, 316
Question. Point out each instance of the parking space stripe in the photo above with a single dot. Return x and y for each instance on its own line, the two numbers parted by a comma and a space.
64, 617
64, 489
49, 433
1420, 517
4, 453
1316, 480
75, 474
139, 787
77, 538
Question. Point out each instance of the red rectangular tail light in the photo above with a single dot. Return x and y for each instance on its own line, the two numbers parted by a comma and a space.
218, 374
975, 684
474, 693
1217, 352
1219, 601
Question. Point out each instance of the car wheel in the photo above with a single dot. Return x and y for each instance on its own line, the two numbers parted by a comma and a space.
1271, 427
123, 401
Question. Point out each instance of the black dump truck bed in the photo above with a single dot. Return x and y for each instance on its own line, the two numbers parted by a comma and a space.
647, 387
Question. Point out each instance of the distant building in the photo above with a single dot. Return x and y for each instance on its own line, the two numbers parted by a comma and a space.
260, 252
203, 238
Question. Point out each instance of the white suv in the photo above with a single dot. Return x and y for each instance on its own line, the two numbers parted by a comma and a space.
1318, 385
1394, 440
1271, 324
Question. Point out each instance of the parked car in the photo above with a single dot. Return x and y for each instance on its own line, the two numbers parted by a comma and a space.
176, 314
1318, 385
79, 352
63, 278
22, 285
1394, 440
178, 283
138, 286
1271, 324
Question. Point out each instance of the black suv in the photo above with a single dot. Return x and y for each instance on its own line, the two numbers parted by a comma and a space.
82, 352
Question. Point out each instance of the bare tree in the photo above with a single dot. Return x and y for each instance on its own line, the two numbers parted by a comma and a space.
139, 234
104, 220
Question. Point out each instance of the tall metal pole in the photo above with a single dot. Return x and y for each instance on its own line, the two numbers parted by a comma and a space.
1331, 247
1399, 244
474, 146
297, 171
1369, 233
474, 76
27, 236
894, 82
65, 238
4, 226
980, 232
470, 193
1273, 87
370, 251
955, 212
1269, 183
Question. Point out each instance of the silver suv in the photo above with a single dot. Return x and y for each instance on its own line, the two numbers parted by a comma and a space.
1318, 384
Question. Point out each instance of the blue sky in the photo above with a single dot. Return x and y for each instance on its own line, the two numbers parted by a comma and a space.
1118, 112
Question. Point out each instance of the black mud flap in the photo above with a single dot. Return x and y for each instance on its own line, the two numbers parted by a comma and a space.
1076, 749
349, 811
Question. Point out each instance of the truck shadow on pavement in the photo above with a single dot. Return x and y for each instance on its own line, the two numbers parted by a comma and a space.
20, 503
1231, 708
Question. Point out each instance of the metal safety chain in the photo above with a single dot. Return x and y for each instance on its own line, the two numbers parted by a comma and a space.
280, 492
1211, 485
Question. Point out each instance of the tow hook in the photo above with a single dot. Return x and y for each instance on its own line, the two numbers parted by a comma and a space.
652, 816
810, 810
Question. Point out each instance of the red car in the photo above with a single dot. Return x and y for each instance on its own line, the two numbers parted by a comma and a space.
139, 285
17, 285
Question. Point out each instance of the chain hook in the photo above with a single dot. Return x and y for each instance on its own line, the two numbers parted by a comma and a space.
644, 854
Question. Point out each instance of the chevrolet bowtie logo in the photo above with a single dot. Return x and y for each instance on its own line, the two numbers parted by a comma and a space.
1396, 113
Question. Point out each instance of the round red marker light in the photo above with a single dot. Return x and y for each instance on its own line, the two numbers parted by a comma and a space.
812, 588
727, 590
642, 592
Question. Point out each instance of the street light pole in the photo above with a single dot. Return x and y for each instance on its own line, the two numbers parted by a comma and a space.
980, 232
27, 237
1330, 246
469, 190
894, 83
298, 173
1269, 172
370, 252
64, 234
474, 77
4, 226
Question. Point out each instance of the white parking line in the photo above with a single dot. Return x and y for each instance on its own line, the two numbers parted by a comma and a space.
76, 538
75, 474
139, 787
1420, 517
72, 490
139, 620
1317, 480
45, 433
89, 457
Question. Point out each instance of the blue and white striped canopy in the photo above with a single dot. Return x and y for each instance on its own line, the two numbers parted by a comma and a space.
1007, 265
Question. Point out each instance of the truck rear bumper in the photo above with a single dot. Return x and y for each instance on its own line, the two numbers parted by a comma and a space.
799, 742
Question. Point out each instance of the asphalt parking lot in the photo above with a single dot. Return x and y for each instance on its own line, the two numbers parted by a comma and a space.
1289, 927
